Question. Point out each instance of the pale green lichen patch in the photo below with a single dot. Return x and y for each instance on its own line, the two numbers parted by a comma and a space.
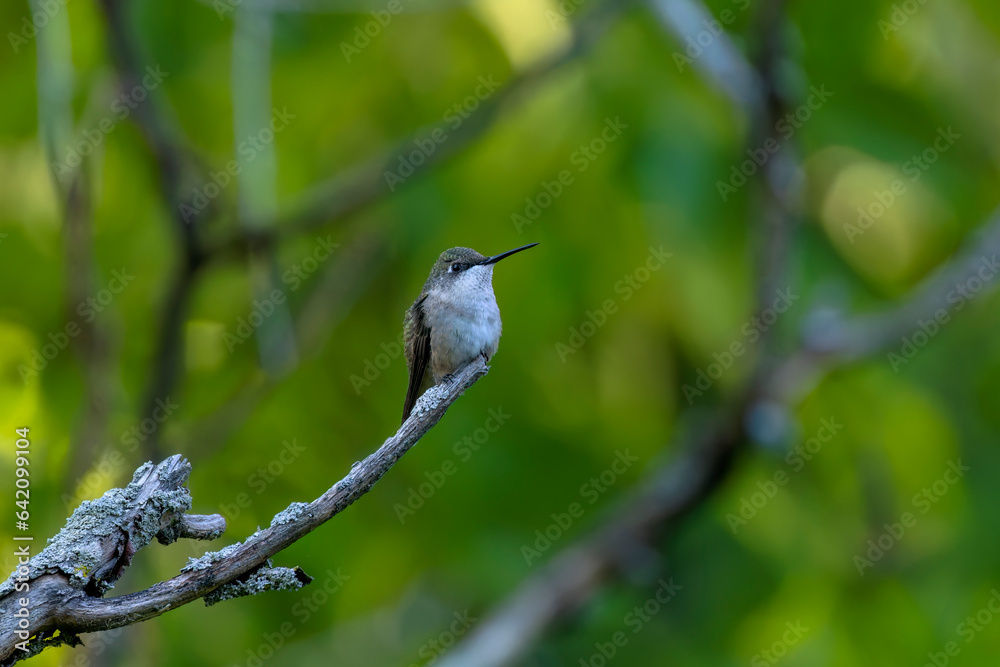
430, 400
265, 579
78, 551
289, 514
211, 558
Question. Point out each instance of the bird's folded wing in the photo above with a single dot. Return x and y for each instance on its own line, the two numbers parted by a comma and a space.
418, 352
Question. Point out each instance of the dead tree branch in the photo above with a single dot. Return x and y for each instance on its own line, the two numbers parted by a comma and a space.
69, 577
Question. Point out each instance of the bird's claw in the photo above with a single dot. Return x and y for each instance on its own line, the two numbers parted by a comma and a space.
451, 376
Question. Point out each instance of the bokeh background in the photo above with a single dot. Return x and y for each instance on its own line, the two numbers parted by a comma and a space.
279, 413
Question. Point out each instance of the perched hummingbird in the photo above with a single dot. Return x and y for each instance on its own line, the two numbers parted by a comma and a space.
454, 320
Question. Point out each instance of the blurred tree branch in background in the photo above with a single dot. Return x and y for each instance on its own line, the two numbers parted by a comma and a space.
710, 446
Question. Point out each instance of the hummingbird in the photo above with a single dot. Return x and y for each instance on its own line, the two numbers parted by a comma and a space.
454, 320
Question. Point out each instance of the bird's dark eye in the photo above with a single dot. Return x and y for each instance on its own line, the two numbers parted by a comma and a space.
457, 266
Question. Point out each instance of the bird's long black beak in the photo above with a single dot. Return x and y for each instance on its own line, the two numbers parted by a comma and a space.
496, 258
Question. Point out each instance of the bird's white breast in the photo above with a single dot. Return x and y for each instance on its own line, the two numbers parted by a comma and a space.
464, 320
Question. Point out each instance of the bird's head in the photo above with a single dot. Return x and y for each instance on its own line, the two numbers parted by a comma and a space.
464, 268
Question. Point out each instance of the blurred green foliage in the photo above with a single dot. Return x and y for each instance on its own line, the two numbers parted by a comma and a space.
893, 90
